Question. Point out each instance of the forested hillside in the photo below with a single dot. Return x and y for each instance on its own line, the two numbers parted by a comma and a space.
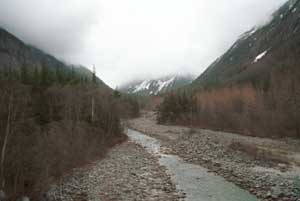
53, 117
259, 53
253, 88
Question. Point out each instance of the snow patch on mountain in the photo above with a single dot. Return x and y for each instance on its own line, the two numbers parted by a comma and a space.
157, 86
248, 33
260, 56
143, 86
162, 84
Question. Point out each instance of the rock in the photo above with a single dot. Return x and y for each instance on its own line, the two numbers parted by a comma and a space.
128, 172
277, 192
269, 194
217, 164
282, 166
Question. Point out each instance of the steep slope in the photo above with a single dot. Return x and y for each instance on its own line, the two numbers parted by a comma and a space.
15, 55
53, 117
253, 89
259, 52
157, 86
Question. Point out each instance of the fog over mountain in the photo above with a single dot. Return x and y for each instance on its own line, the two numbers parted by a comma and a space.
135, 38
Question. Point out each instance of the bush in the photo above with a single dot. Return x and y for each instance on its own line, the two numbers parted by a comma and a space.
177, 108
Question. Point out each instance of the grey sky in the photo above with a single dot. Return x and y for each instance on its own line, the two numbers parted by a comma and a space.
130, 39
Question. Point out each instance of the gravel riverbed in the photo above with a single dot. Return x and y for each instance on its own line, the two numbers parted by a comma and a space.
127, 173
266, 179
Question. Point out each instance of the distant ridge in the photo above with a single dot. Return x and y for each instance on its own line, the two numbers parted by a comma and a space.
15, 54
157, 86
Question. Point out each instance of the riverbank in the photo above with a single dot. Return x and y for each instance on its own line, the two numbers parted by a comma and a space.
128, 172
195, 181
267, 168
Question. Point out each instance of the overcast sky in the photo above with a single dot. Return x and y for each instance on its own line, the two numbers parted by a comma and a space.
132, 39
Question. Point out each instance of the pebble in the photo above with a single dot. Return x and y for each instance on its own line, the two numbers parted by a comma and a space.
127, 173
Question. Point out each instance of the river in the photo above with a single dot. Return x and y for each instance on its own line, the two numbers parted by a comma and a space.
195, 181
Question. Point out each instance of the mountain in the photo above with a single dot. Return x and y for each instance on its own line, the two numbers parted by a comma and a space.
156, 86
15, 56
252, 89
258, 53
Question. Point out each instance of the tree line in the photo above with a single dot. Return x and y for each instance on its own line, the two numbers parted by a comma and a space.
269, 107
51, 120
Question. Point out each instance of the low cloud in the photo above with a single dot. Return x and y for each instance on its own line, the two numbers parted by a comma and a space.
130, 39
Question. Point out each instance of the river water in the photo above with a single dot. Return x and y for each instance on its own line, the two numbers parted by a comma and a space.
197, 183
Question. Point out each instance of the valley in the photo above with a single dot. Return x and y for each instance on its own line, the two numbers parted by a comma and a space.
267, 168
172, 163
143, 102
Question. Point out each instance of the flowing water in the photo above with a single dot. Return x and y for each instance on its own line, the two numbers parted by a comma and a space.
195, 181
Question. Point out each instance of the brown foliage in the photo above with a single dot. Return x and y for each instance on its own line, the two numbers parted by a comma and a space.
258, 153
268, 110
51, 132
252, 111
177, 108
